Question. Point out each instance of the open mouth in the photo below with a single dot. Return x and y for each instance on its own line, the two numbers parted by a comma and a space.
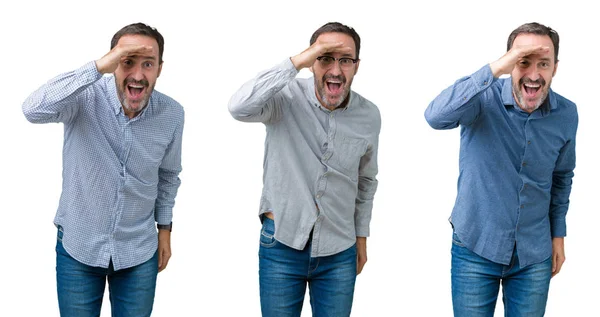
531, 89
334, 85
135, 90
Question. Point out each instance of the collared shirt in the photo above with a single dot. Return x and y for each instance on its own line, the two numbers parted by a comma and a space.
516, 168
319, 165
120, 175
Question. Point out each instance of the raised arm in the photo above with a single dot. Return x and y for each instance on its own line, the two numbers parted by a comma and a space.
60, 98
259, 100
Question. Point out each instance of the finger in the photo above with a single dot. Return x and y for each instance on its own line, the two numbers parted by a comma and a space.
360, 264
131, 49
165, 262
559, 265
533, 49
338, 48
556, 265
160, 261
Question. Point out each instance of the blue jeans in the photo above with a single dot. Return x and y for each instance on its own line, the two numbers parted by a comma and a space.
284, 273
476, 281
81, 287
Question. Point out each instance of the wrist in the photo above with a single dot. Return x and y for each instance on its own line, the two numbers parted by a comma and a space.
168, 227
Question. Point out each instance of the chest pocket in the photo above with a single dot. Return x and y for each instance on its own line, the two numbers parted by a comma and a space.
347, 154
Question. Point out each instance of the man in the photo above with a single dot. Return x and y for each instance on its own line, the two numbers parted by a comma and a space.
517, 157
121, 161
319, 174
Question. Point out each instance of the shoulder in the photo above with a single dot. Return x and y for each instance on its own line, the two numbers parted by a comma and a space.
364, 104
564, 103
564, 106
168, 104
366, 109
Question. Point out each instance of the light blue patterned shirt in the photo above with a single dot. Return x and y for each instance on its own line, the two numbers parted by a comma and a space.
120, 175
516, 168
320, 166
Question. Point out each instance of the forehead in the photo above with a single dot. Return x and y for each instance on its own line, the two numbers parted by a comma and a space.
137, 39
534, 39
338, 37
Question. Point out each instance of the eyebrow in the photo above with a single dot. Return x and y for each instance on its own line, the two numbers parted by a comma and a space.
346, 55
545, 59
143, 57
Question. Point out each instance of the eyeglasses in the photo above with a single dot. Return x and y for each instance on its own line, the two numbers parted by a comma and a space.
328, 61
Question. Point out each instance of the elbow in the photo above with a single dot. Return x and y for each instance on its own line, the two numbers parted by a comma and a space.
236, 109
31, 115
235, 112
435, 121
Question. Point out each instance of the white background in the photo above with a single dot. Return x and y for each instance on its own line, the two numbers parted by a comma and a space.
410, 53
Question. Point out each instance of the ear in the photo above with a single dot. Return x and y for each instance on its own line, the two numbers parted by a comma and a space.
311, 69
159, 69
555, 68
356, 69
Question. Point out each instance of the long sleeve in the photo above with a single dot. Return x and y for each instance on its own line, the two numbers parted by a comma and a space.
258, 99
367, 186
168, 179
562, 178
460, 104
59, 99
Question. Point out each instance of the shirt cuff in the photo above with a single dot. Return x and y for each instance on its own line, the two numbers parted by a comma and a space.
558, 228
163, 217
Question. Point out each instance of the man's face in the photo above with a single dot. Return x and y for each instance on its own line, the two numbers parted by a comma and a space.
332, 79
136, 75
532, 75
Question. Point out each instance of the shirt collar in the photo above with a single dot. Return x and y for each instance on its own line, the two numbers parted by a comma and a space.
509, 100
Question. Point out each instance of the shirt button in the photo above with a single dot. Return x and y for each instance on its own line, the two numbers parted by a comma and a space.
528, 141
522, 206
318, 195
485, 83
524, 163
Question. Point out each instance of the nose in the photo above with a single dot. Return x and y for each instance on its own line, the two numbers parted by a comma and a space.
533, 72
335, 69
136, 72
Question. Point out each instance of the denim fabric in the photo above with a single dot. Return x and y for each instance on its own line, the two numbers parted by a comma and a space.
516, 168
476, 282
81, 287
284, 273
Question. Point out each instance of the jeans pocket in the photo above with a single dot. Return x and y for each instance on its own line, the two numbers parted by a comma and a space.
59, 233
456, 240
267, 233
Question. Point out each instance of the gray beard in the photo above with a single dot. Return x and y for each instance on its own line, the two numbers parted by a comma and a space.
323, 99
522, 101
143, 103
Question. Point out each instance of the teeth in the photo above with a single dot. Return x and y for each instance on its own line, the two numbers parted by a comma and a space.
136, 86
532, 85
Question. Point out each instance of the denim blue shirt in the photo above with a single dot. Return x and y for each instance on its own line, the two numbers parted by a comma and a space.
319, 165
515, 168
120, 175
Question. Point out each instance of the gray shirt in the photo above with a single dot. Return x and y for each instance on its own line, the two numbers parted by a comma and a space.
319, 165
